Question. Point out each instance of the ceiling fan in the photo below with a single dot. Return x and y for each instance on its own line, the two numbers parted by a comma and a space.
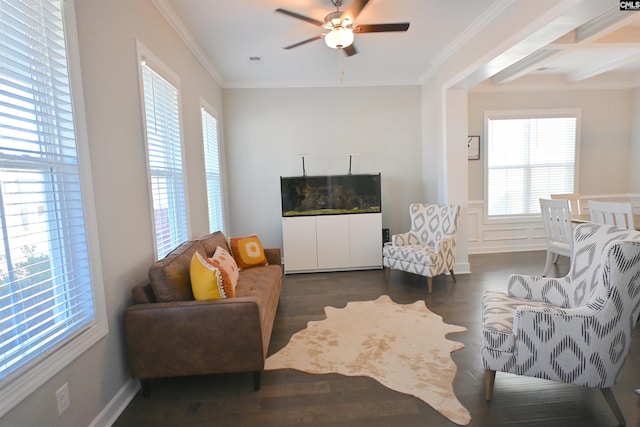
341, 26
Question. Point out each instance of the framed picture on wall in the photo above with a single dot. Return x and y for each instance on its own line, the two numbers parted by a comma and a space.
473, 144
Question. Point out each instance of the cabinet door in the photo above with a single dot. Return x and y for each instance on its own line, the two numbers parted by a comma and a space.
333, 241
299, 244
365, 237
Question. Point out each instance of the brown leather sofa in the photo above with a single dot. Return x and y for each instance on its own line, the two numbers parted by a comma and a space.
170, 334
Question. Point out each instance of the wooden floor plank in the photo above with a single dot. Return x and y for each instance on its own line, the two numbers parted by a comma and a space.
292, 398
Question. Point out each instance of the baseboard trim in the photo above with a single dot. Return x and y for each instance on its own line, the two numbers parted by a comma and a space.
108, 416
462, 268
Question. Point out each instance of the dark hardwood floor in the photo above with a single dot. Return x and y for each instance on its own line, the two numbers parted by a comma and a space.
292, 398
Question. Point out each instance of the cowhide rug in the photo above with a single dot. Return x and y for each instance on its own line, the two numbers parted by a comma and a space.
403, 347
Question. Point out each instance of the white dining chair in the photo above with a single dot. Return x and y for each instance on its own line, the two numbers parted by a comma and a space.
574, 201
612, 213
556, 217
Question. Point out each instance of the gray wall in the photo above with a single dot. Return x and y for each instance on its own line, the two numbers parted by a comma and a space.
266, 130
634, 149
607, 148
107, 32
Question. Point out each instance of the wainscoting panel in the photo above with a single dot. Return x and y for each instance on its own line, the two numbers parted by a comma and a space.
520, 235
502, 236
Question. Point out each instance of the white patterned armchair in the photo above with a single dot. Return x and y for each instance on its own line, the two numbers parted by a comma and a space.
429, 247
575, 329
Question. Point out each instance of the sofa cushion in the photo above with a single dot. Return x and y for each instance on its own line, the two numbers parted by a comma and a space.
169, 277
248, 251
224, 262
264, 284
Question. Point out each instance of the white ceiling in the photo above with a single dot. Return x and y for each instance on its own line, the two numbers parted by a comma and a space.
241, 42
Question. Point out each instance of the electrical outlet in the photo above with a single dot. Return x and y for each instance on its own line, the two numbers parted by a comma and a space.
64, 398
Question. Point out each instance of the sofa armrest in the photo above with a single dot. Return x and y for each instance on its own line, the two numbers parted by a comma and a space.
273, 256
193, 338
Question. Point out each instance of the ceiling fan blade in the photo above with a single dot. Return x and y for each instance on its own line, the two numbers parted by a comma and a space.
381, 28
354, 9
318, 37
350, 50
302, 17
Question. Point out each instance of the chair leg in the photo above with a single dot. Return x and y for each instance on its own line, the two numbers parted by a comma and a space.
547, 264
489, 379
387, 272
611, 400
453, 275
429, 284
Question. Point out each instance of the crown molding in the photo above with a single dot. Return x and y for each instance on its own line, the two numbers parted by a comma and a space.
183, 32
315, 84
465, 37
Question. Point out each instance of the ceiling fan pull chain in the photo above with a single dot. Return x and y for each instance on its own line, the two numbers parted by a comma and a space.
340, 65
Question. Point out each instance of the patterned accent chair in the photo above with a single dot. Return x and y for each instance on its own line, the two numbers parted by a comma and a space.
575, 329
429, 247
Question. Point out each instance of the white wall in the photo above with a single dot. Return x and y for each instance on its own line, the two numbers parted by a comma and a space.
607, 154
107, 32
605, 134
432, 142
456, 169
634, 150
266, 130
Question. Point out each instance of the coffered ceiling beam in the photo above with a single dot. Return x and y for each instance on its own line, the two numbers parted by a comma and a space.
613, 19
615, 61
524, 66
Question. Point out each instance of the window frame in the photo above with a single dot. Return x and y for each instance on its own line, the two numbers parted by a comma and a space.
526, 114
26, 380
206, 108
144, 55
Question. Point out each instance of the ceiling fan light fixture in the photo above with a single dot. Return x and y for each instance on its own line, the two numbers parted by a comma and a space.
339, 37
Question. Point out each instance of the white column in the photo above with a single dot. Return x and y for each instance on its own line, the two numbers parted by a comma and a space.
456, 168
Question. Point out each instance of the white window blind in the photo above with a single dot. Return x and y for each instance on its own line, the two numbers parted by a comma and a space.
529, 158
212, 170
164, 149
46, 291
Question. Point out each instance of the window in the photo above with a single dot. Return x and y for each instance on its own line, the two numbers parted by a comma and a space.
51, 306
164, 150
212, 171
530, 155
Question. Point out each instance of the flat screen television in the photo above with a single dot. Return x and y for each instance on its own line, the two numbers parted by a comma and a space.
330, 195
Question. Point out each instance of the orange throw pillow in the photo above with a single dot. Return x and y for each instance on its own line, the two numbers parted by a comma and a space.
228, 270
247, 251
